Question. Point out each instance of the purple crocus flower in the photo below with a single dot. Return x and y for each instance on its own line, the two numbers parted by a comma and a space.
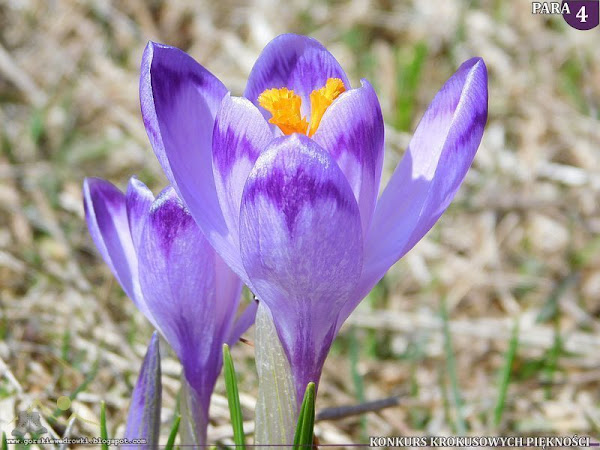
143, 420
173, 275
284, 181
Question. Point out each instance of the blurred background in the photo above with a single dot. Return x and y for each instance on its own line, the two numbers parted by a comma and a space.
489, 326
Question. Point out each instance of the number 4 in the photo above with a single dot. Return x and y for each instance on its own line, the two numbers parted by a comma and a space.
581, 15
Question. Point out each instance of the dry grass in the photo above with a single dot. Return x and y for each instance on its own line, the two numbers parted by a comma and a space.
520, 243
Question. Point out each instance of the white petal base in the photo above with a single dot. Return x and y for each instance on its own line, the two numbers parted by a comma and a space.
276, 407
192, 430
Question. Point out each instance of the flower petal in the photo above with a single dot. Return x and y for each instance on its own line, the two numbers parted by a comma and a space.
180, 100
301, 244
143, 420
426, 180
240, 134
177, 277
106, 216
296, 62
138, 200
243, 322
352, 132
228, 293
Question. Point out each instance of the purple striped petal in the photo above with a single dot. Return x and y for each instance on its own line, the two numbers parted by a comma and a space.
301, 244
143, 420
352, 132
177, 277
296, 62
177, 95
180, 100
106, 216
426, 180
240, 134
138, 200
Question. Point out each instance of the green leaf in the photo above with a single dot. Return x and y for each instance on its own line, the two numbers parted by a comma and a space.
73, 395
357, 379
173, 433
550, 310
505, 376
103, 432
409, 66
37, 126
233, 399
4, 442
460, 425
306, 421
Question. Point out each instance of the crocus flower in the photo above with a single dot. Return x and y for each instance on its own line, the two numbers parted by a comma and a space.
284, 181
143, 420
173, 275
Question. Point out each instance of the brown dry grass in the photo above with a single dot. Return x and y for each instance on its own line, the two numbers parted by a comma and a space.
520, 243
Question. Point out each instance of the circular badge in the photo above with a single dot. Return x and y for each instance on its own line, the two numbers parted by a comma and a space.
581, 14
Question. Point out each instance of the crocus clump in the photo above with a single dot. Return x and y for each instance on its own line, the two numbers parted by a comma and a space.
174, 277
284, 181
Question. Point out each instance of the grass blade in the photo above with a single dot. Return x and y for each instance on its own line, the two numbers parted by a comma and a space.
409, 66
505, 375
173, 433
306, 421
357, 379
233, 399
460, 425
87, 380
103, 431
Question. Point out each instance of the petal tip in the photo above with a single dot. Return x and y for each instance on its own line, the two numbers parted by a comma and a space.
149, 46
476, 66
94, 185
154, 341
135, 183
147, 57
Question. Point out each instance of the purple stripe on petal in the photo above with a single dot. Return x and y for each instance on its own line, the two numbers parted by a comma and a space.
143, 420
352, 132
296, 62
426, 180
291, 196
291, 186
240, 134
301, 242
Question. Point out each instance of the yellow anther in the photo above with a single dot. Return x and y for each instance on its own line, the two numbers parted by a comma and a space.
284, 105
321, 99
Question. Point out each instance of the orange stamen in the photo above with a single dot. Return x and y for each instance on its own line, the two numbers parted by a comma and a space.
321, 99
285, 104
